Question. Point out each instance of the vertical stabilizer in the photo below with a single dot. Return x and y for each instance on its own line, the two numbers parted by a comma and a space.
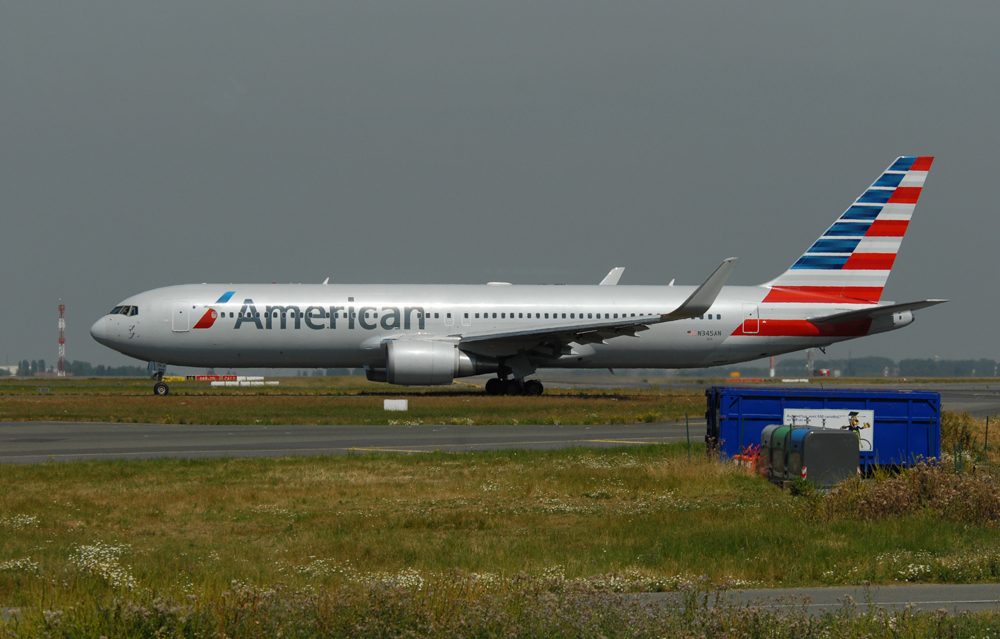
854, 257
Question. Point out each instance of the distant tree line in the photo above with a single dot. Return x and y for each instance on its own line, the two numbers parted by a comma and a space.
35, 366
28, 368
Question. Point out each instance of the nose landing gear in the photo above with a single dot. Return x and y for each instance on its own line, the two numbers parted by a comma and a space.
160, 388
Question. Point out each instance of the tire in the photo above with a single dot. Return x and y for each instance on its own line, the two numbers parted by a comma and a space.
533, 387
494, 387
160, 389
511, 387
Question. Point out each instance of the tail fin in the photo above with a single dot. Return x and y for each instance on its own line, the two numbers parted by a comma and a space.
855, 255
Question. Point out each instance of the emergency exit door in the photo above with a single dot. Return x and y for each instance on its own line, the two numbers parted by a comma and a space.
751, 319
181, 315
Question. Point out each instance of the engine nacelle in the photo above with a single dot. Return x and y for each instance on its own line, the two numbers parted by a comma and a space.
429, 363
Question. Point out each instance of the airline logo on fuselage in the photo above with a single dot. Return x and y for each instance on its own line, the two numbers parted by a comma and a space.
323, 317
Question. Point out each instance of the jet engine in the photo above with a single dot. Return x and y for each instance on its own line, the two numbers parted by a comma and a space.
428, 363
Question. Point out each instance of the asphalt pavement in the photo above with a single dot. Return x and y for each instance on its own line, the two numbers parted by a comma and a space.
951, 598
27, 442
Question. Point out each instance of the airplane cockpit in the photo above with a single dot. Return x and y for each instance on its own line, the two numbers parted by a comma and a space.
125, 310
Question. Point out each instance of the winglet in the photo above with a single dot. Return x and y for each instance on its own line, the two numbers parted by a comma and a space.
326, 281
612, 278
703, 298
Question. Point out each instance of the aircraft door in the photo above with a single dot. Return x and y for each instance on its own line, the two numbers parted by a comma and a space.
449, 318
751, 319
466, 320
180, 317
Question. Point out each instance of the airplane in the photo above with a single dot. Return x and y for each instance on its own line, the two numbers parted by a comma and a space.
432, 334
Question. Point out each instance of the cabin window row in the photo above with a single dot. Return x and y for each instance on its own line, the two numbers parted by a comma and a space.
427, 315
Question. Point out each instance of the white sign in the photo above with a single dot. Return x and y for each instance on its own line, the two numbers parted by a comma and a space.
861, 422
396, 404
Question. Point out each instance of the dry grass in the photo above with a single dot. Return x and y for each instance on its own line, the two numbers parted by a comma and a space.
970, 498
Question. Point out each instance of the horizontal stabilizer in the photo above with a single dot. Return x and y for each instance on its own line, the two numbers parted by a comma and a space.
872, 313
612, 278
703, 298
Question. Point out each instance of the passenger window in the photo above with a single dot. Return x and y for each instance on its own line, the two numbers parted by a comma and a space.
718, 317
564, 316
709, 316
546, 316
520, 316
606, 316
466, 316
494, 316
538, 315
503, 316
448, 315
616, 315
437, 316
477, 315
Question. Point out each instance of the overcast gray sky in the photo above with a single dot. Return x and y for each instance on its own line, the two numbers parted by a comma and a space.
154, 143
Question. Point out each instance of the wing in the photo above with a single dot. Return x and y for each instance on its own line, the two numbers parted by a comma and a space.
873, 312
557, 339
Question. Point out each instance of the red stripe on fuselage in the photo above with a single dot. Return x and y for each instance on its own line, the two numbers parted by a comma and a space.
905, 195
923, 163
887, 228
207, 319
870, 262
824, 294
805, 328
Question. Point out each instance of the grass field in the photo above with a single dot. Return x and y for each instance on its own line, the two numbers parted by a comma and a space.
512, 543
345, 400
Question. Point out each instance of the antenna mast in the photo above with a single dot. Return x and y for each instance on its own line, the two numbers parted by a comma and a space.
61, 366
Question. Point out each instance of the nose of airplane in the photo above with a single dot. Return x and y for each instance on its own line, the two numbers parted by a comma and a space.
98, 330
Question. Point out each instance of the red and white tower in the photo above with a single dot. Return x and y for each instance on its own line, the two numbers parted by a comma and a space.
61, 366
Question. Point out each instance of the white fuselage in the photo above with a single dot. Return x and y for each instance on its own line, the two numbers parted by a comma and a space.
346, 326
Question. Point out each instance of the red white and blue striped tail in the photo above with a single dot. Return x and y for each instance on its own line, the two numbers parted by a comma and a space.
855, 255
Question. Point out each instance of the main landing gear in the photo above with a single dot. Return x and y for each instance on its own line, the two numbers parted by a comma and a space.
498, 386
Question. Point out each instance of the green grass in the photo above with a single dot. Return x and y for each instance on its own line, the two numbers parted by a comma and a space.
346, 400
645, 512
192, 546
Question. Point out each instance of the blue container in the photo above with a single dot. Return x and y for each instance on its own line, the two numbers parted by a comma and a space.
906, 425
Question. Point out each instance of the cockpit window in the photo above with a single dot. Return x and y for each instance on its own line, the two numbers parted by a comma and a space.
134, 311
115, 310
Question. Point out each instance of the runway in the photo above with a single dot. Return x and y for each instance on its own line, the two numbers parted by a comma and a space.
29, 442
953, 598
26, 442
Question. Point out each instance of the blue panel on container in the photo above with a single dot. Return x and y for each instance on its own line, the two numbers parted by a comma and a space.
907, 423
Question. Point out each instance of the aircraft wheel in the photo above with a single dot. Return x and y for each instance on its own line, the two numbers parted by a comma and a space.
160, 389
533, 387
494, 387
511, 387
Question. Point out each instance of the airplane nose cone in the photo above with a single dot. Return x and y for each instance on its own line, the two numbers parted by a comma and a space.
98, 330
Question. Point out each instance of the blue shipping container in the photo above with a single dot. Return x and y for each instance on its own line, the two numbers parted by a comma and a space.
906, 427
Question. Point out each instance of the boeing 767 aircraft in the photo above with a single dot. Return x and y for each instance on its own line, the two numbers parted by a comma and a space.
431, 334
